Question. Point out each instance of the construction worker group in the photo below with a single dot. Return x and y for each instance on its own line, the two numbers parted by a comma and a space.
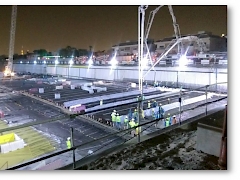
131, 120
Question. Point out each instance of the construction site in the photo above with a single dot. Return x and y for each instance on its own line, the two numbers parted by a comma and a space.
43, 108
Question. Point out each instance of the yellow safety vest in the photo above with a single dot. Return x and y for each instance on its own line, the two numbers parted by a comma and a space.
68, 144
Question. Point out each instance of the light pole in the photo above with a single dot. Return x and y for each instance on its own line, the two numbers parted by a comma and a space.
141, 17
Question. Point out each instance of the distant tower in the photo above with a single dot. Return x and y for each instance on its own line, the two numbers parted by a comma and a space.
22, 51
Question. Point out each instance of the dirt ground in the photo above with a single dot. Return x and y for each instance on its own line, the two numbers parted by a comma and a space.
175, 150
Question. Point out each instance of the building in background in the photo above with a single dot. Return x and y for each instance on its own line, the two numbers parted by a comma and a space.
208, 42
129, 48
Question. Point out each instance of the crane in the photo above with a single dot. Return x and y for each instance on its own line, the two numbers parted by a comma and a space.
8, 69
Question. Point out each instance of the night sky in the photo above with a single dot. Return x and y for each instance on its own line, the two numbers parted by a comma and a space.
55, 27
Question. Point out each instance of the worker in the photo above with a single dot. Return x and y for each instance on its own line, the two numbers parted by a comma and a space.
135, 115
174, 120
146, 85
132, 124
160, 111
168, 100
138, 98
126, 123
154, 84
167, 121
149, 105
155, 103
118, 121
68, 142
113, 115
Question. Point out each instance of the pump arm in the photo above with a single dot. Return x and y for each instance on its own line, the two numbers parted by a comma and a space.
188, 38
150, 21
175, 26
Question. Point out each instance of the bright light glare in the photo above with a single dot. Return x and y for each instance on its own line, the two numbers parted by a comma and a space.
145, 63
35, 62
38, 58
71, 62
44, 62
90, 62
113, 62
183, 61
56, 62
21, 62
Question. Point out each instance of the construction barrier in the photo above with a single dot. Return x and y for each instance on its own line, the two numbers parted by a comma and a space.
13, 143
7, 138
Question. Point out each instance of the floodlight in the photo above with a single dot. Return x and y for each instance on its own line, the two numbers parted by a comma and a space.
71, 62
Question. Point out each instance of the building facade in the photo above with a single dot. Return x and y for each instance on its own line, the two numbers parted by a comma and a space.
207, 43
131, 48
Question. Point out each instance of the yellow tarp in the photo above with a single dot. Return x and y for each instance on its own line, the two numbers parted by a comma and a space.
7, 138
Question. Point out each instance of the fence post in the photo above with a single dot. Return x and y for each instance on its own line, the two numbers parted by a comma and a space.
180, 106
222, 162
206, 100
72, 146
216, 78
177, 79
139, 116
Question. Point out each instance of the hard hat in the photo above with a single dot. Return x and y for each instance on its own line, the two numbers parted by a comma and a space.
126, 117
68, 138
174, 116
148, 101
114, 110
168, 114
160, 104
132, 119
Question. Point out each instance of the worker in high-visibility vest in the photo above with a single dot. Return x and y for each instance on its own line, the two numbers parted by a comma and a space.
167, 121
68, 142
126, 122
118, 121
132, 124
149, 105
113, 115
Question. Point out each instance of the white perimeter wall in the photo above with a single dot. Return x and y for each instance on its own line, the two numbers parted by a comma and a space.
203, 76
